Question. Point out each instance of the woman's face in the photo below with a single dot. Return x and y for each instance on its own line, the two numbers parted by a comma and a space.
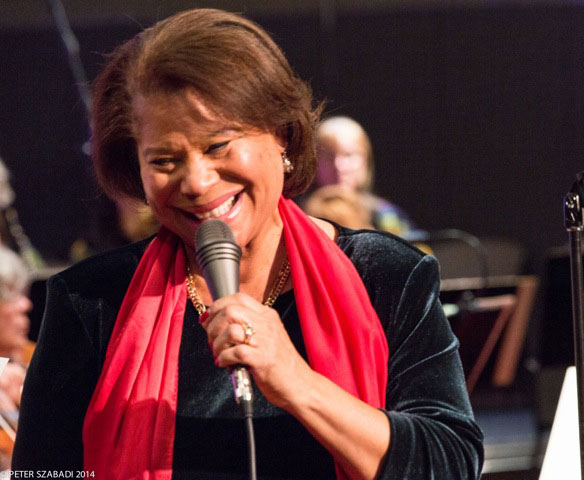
342, 159
14, 323
195, 166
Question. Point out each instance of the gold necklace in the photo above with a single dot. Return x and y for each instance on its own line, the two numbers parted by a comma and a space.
274, 293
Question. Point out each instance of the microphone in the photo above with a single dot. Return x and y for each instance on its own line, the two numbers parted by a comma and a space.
218, 256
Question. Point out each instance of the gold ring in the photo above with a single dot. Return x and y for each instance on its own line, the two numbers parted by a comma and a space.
248, 331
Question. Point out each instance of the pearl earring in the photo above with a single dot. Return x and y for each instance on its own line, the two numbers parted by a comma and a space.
288, 167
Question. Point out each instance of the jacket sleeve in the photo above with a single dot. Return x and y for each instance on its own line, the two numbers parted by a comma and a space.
57, 389
433, 432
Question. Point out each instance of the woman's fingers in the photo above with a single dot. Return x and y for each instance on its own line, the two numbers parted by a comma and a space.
238, 354
243, 331
233, 334
12, 380
240, 320
7, 404
230, 315
237, 298
239, 308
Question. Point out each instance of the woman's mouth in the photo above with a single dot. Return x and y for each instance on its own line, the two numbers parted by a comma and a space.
220, 210
217, 211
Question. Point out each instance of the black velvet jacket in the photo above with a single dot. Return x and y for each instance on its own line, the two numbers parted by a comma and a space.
433, 434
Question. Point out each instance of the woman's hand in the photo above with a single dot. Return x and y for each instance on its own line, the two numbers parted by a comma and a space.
356, 434
11, 382
277, 367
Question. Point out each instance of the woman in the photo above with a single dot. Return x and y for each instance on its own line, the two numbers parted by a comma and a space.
14, 307
14, 344
11, 232
339, 204
202, 117
345, 157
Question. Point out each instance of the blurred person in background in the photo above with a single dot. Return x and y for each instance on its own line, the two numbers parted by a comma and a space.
12, 234
340, 204
345, 157
14, 344
117, 222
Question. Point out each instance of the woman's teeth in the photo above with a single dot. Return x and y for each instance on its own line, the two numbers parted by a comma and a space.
218, 211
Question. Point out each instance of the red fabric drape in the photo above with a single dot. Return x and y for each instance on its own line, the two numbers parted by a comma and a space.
129, 426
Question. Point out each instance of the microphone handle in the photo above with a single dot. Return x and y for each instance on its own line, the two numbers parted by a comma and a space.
242, 388
218, 256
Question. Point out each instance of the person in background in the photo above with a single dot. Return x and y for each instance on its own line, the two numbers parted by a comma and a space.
14, 344
356, 373
117, 222
340, 205
345, 157
12, 234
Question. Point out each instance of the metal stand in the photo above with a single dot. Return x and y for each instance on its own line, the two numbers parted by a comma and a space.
73, 54
574, 225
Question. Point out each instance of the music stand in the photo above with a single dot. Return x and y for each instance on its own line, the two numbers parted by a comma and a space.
573, 219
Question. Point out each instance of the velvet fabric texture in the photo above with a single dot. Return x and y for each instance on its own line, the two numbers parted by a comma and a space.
433, 434
123, 441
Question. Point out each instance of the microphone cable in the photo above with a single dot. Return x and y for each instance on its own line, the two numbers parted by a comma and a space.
218, 255
247, 410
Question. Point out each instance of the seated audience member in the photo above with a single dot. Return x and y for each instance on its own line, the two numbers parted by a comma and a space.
14, 344
345, 157
117, 223
341, 205
12, 234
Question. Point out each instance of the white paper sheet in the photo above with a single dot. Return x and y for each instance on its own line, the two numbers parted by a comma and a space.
562, 456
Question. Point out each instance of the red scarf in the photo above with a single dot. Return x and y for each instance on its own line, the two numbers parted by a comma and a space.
129, 426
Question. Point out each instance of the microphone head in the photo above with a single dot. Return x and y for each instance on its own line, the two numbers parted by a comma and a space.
218, 257
212, 231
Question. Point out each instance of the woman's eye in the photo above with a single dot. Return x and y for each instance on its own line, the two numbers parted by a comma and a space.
161, 161
215, 147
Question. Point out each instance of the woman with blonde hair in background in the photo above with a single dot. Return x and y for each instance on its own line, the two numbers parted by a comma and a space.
14, 344
345, 157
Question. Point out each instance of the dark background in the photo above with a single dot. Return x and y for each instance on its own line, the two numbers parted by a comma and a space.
475, 109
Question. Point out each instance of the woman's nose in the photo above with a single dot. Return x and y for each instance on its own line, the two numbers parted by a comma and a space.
198, 175
349, 162
24, 304
342, 162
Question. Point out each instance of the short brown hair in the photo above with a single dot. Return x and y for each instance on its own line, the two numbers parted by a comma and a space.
231, 62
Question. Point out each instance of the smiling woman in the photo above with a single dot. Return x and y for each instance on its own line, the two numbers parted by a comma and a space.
355, 369
194, 167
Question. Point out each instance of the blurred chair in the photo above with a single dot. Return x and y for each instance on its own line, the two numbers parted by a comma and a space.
491, 304
488, 299
494, 330
463, 255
